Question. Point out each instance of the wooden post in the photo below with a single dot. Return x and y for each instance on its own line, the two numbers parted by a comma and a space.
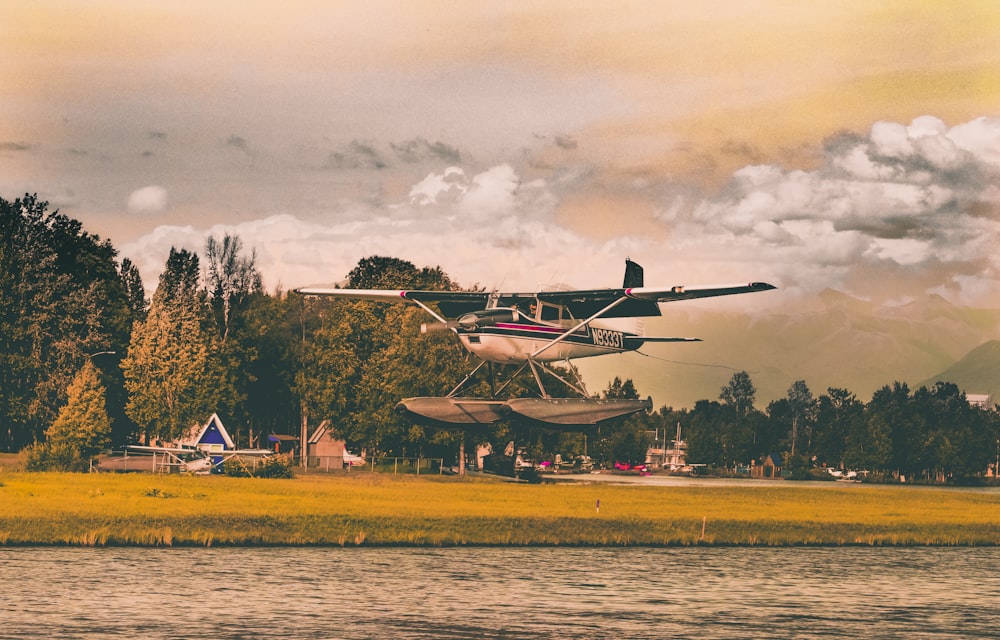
304, 438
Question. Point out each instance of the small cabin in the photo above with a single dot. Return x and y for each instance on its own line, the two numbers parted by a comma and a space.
325, 451
211, 437
768, 467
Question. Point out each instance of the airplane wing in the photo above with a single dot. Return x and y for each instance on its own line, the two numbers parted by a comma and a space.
152, 449
640, 301
690, 293
451, 303
258, 453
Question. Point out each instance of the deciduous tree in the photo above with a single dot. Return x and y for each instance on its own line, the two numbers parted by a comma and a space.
167, 367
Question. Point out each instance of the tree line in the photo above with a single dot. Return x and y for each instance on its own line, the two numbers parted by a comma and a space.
928, 434
87, 362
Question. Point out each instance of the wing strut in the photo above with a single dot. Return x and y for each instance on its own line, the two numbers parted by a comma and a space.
466, 380
428, 310
579, 388
586, 322
538, 378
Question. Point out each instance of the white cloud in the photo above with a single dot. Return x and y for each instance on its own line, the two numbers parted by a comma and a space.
918, 201
151, 199
904, 202
493, 192
479, 224
450, 185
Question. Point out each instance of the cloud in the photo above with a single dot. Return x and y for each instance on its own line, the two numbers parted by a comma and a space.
438, 187
917, 201
487, 228
419, 150
903, 211
151, 199
358, 155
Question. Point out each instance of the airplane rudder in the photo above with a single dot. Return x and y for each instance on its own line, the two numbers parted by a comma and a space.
633, 275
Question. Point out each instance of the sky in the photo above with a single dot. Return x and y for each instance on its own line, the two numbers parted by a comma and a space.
854, 146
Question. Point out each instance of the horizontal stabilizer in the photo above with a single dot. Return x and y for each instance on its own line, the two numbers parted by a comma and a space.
635, 342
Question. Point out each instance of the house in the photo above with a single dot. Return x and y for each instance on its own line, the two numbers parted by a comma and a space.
211, 437
979, 400
769, 467
326, 451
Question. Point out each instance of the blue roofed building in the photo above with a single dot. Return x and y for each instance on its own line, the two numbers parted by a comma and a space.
211, 437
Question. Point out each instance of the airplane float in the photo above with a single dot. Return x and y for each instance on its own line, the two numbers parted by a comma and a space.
531, 330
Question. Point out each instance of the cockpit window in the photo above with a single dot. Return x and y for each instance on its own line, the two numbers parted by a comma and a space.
550, 313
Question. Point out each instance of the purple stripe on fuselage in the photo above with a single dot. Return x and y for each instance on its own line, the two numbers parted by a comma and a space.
529, 327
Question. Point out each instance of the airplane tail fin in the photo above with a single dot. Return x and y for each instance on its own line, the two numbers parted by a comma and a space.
633, 275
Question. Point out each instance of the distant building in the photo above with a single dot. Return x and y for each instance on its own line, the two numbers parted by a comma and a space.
211, 437
980, 400
668, 455
325, 451
280, 443
769, 467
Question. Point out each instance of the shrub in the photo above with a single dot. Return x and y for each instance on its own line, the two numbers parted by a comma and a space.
271, 467
47, 456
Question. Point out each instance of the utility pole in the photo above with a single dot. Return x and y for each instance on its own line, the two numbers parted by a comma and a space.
304, 438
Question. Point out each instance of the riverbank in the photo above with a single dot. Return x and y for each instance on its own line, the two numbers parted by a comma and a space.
376, 509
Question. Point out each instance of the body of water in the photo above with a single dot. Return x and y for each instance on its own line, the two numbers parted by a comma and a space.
538, 593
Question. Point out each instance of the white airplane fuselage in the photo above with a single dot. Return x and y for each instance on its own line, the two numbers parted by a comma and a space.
523, 339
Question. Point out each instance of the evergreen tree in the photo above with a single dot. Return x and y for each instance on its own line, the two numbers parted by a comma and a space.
83, 423
135, 292
80, 431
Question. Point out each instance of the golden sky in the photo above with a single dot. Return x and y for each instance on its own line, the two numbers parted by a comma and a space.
593, 123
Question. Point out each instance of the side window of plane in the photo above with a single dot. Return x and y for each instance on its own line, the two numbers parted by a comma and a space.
550, 313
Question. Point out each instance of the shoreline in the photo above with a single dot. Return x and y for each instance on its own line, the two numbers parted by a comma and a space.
376, 510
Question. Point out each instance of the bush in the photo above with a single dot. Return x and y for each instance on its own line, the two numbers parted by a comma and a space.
796, 467
270, 467
46, 456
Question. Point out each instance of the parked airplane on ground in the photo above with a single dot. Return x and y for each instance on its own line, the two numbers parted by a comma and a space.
198, 461
353, 459
531, 330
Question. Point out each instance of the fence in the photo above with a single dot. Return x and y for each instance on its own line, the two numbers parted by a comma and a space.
396, 465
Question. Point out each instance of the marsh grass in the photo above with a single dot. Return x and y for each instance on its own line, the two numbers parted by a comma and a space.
376, 509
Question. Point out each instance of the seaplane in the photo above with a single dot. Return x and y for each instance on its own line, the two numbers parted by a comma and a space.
532, 331
197, 460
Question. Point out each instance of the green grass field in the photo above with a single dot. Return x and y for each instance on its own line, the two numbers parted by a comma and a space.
379, 509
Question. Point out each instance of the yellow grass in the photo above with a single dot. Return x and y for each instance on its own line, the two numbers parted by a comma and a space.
376, 509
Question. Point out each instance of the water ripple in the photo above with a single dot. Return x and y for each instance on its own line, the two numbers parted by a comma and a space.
496, 593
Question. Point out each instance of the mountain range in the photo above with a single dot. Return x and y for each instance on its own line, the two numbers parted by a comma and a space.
830, 340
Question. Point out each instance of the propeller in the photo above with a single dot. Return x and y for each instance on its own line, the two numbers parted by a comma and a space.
474, 320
